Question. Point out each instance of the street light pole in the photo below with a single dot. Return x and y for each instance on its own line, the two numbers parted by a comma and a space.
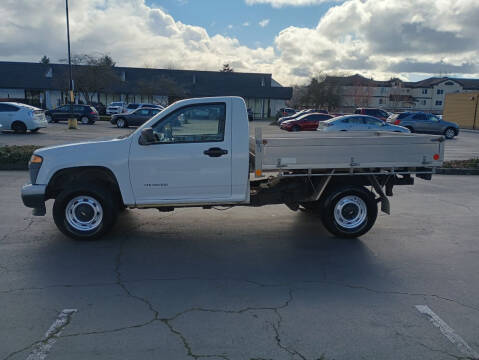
69, 55
71, 121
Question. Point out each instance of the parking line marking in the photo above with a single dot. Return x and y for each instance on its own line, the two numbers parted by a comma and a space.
448, 332
41, 350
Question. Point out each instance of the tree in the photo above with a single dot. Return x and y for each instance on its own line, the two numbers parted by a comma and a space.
45, 60
93, 74
227, 68
322, 91
161, 85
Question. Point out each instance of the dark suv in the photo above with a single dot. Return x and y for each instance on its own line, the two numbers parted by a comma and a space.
377, 113
421, 122
86, 114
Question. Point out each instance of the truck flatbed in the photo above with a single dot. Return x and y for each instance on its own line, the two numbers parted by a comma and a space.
345, 150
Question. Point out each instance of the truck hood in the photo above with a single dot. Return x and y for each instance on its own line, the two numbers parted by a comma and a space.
83, 150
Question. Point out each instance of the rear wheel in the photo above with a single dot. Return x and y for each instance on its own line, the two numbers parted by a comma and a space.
85, 212
19, 127
349, 212
84, 120
49, 118
121, 123
449, 133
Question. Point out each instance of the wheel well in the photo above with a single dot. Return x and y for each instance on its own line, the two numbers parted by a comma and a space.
18, 122
85, 174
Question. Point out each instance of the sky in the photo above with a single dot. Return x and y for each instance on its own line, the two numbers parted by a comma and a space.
292, 39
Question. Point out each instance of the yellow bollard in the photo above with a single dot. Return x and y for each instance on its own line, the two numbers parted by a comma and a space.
72, 123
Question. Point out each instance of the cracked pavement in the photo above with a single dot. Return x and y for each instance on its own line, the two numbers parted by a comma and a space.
263, 283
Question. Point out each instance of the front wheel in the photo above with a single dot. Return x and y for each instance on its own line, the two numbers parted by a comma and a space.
121, 123
85, 212
349, 212
449, 133
84, 120
296, 128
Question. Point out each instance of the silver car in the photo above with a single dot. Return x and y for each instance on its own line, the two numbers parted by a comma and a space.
421, 122
358, 123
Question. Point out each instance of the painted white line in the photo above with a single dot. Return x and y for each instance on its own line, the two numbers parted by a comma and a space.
41, 350
448, 332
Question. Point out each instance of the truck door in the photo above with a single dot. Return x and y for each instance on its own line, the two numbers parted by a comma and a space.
189, 160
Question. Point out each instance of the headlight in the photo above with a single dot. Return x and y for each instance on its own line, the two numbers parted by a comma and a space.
34, 166
35, 159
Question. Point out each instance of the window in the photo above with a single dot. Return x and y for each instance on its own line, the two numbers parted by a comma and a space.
438, 102
440, 91
419, 117
196, 123
373, 121
383, 114
424, 91
380, 101
64, 108
8, 108
356, 120
154, 111
423, 102
78, 108
143, 112
449, 83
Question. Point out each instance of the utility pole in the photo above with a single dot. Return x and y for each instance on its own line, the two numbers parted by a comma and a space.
71, 122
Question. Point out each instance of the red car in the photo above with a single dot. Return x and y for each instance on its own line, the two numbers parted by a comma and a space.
375, 112
308, 122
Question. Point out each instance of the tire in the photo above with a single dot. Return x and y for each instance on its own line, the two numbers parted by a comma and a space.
296, 128
349, 212
49, 118
449, 133
84, 120
121, 123
410, 129
19, 128
85, 211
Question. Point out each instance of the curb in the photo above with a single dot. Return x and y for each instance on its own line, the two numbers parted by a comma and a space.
457, 171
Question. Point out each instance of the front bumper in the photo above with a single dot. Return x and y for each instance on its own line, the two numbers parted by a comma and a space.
33, 196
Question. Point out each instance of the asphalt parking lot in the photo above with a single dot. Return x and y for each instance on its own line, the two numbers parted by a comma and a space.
262, 283
464, 147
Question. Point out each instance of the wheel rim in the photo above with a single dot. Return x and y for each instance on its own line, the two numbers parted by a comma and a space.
84, 120
84, 213
450, 133
350, 212
120, 123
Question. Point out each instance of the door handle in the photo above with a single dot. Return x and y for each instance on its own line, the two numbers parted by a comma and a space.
215, 152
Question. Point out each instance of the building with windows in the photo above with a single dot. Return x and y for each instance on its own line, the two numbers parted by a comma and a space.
396, 95
46, 86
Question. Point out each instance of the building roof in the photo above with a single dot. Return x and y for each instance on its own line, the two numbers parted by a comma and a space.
358, 80
38, 76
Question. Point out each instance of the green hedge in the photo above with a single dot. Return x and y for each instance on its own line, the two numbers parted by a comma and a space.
105, 117
462, 164
16, 157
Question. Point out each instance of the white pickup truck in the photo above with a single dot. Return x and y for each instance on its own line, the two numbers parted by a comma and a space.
198, 153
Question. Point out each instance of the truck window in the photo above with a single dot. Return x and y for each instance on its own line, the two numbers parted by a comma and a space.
196, 123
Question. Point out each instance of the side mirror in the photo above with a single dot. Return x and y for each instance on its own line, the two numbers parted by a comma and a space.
147, 136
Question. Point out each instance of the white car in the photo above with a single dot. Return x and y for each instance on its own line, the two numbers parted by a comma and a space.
116, 107
20, 117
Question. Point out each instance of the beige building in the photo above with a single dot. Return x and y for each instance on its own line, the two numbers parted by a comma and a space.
396, 95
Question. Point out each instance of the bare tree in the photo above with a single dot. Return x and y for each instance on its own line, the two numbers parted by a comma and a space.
93, 74
45, 60
226, 68
162, 85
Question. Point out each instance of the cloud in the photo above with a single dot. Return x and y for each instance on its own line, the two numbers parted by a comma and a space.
375, 38
264, 23
230, 26
281, 3
246, 23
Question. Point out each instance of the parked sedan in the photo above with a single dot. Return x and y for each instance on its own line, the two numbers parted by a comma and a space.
300, 113
135, 118
86, 114
20, 117
133, 106
358, 123
375, 112
425, 123
284, 112
305, 122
